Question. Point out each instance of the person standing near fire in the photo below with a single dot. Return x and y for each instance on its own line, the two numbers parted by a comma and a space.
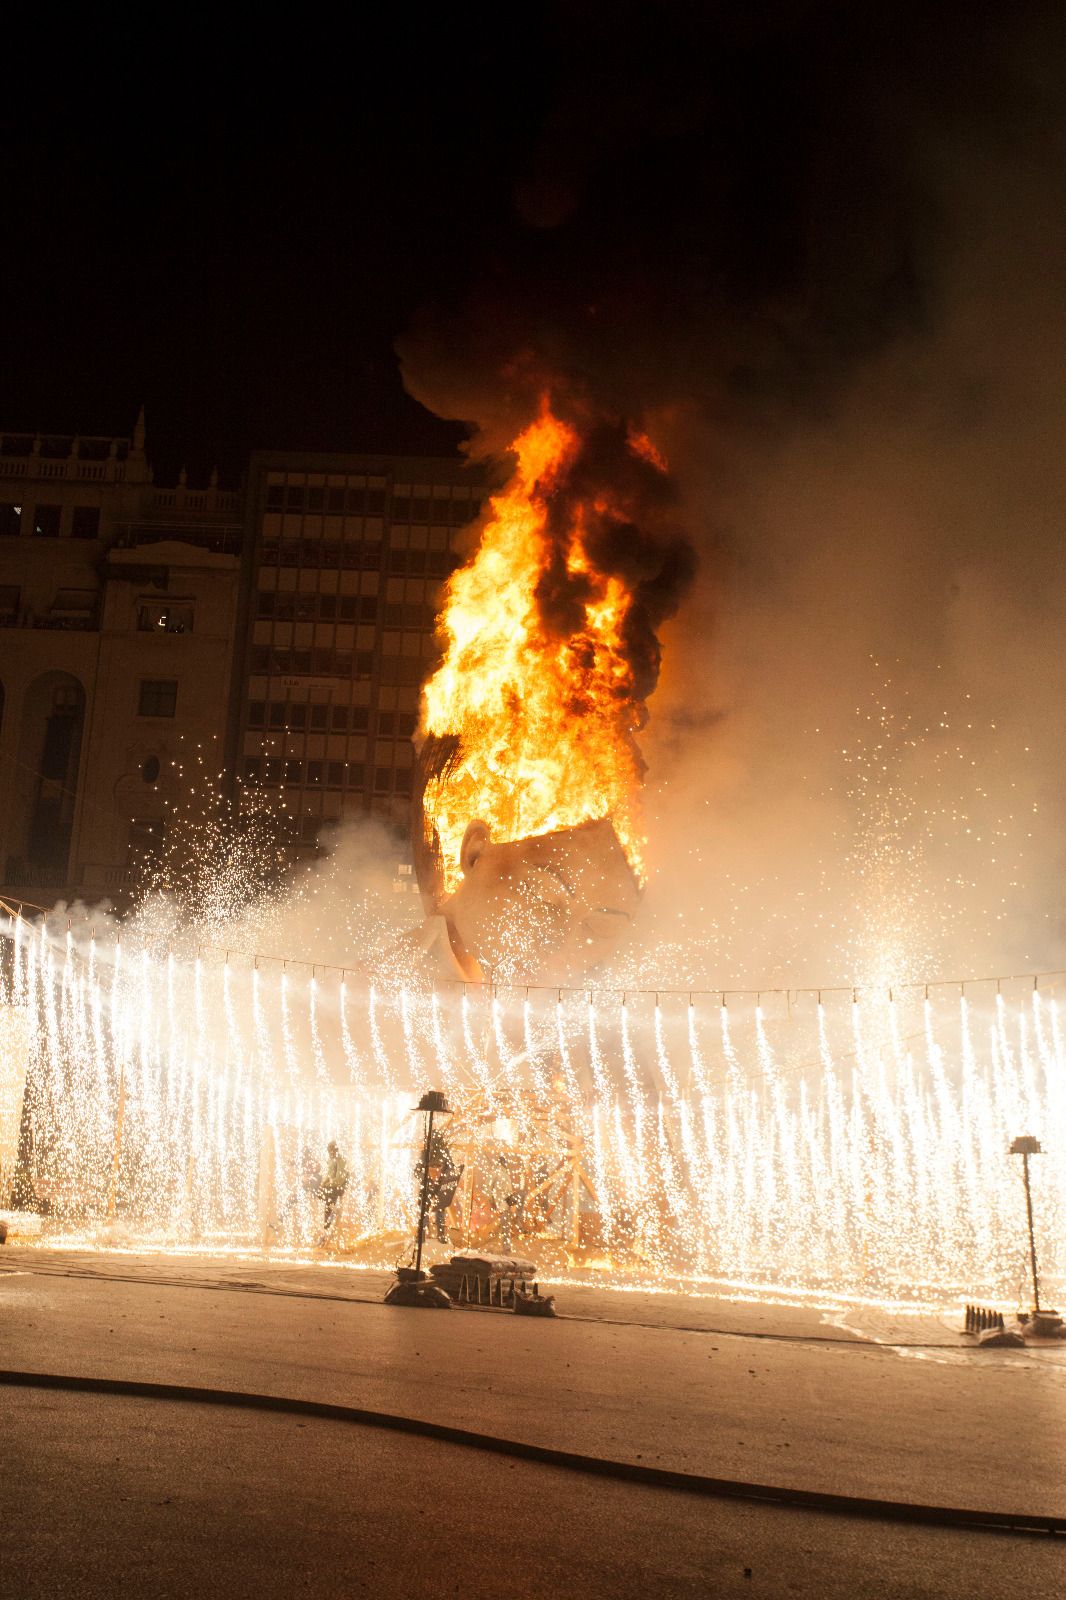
444, 1178
334, 1183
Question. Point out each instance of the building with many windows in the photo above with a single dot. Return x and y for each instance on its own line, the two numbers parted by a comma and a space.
345, 559
283, 633
118, 607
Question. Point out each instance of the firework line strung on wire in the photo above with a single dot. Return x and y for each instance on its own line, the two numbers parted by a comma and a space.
625, 992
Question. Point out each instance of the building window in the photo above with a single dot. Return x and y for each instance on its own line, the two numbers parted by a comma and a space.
260, 658
319, 714
298, 714
277, 714
382, 780
85, 523
404, 780
10, 519
71, 608
150, 769
9, 604
336, 775
292, 771
46, 522
252, 768
356, 774
314, 772
256, 713
340, 719
171, 617
158, 697
266, 603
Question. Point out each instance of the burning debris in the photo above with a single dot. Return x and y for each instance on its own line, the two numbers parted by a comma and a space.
530, 724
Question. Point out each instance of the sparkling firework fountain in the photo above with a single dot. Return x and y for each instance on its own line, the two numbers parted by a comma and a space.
839, 1144
832, 1144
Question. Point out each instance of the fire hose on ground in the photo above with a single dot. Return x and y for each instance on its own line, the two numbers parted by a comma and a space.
899, 1511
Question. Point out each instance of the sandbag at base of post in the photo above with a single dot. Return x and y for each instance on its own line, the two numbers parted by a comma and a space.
415, 1289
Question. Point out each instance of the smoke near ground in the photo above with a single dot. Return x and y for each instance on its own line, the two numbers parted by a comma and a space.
820, 263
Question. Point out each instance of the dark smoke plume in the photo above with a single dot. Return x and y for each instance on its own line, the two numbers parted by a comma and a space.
727, 208
817, 251
629, 512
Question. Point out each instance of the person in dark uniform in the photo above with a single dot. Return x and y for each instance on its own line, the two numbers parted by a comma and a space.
444, 1178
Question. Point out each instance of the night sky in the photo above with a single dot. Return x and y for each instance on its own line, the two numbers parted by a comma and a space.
235, 228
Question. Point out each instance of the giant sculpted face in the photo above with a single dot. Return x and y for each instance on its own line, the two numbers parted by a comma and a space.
547, 909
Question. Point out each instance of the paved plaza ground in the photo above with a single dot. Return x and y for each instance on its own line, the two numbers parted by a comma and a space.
107, 1492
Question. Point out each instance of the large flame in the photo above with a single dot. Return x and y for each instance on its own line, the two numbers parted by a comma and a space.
544, 720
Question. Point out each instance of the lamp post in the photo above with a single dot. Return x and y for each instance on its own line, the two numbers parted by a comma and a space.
434, 1104
1025, 1146
412, 1287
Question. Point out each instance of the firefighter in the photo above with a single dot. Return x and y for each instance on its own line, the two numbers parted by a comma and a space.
334, 1182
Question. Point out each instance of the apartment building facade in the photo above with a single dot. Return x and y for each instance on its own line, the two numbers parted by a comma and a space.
281, 633
118, 609
345, 560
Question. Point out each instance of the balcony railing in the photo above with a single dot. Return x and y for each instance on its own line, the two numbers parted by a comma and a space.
96, 875
87, 622
26, 875
220, 541
70, 470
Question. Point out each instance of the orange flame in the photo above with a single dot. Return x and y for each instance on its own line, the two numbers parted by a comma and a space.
642, 446
545, 723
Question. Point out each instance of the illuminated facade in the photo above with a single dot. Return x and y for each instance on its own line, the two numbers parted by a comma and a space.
344, 565
118, 604
279, 633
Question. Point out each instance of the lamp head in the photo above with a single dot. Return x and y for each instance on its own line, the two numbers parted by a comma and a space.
435, 1100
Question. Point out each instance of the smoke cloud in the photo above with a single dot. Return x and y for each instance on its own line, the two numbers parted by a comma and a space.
817, 255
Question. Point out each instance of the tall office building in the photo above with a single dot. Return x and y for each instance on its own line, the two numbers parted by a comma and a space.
345, 560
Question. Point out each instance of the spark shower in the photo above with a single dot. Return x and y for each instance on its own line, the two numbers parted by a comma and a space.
837, 1144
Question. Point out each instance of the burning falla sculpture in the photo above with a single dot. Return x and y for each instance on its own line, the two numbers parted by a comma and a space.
528, 842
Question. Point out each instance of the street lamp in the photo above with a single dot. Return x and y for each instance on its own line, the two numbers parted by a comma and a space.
434, 1104
1025, 1146
412, 1288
